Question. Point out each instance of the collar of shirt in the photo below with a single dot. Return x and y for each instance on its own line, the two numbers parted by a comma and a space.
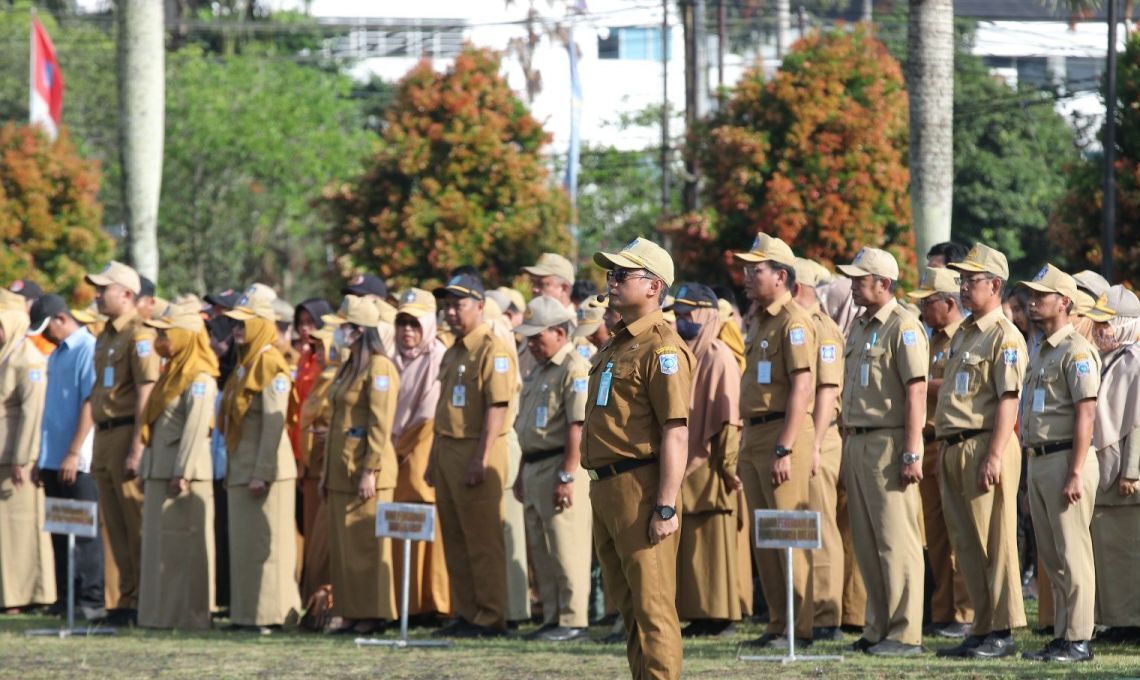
950, 329
640, 326
119, 323
882, 315
1055, 339
75, 338
779, 303
987, 321
560, 356
473, 338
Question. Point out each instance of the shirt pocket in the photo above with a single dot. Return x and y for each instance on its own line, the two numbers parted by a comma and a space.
876, 359
977, 370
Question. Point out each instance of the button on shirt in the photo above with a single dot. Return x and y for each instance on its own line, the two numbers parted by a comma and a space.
892, 345
1066, 370
780, 342
70, 379
553, 397
478, 372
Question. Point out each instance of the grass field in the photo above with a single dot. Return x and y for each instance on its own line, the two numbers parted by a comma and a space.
136, 654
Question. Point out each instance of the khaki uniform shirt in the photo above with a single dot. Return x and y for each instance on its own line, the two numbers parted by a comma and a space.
939, 354
986, 360
829, 368
264, 451
884, 352
553, 398
1065, 371
180, 439
781, 340
360, 427
124, 360
649, 371
23, 387
477, 372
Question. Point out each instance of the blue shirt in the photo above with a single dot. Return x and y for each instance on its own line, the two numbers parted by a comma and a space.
70, 378
218, 444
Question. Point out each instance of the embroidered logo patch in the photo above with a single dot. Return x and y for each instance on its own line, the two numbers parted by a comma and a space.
910, 338
380, 383
668, 363
280, 385
584, 351
797, 336
581, 384
827, 353
502, 365
143, 348
198, 390
409, 296
1009, 356
35, 375
1083, 368
17, 286
1041, 274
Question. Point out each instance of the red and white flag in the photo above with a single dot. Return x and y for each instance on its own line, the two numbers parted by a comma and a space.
46, 104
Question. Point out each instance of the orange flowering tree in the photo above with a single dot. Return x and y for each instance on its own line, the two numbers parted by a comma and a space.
50, 217
815, 156
457, 179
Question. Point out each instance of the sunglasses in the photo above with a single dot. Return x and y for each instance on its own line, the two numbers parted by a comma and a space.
623, 275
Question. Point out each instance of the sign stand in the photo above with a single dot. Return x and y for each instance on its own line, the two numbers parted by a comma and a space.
788, 530
408, 522
74, 518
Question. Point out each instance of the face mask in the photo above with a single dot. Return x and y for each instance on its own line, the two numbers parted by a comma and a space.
688, 329
341, 338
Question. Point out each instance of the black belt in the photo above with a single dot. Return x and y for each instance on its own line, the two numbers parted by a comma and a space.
848, 431
536, 456
115, 422
1048, 447
617, 468
959, 437
766, 418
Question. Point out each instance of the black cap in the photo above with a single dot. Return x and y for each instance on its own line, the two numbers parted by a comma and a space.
461, 286
366, 284
29, 290
227, 298
146, 287
44, 309
694, 296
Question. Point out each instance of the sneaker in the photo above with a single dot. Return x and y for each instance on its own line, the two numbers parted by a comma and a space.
827, 633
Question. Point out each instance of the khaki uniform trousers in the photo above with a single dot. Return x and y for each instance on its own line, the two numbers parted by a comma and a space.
1064, 541
360, 564
755, 472
1116, 545
884, 528
514, 536
27, 563
641, 578
559, 543
983, 532
949, 601
471, 523
120, 511
177, 575
854, 592
827, 562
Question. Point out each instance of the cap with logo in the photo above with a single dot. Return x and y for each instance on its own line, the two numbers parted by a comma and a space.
872, 262
542, 313
27, 289
810, 272
461, 286
416, 302
365, 284
1083, 303
253, 309
117, 273
1094, 283
552, 264
983, 258
497, 303
43, 310
693, 296
259, 292
767, 248
1052, 280
590, 315
1117, 302
640, 253
356, 311
935, 280
184, 316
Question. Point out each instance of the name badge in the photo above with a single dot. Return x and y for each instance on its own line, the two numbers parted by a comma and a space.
1039, 400
540, 417
764, 372
607, 379
864, 374
459, 396
961, 383
109, 376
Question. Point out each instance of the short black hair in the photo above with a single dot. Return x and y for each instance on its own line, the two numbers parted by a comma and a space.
948, 250
790, 271
583, 289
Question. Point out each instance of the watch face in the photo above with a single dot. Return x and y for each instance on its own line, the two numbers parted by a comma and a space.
666, 512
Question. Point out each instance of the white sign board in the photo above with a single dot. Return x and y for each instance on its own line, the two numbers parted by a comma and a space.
414, 521
787, 529
65, 516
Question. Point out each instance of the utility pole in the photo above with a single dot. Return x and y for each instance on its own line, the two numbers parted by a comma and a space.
1108, 232
783, 27
693, 15
664, 107
721, 20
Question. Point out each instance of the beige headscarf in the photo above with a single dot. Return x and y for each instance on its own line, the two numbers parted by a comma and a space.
1117, 409
419, 379
716, 384
836, 301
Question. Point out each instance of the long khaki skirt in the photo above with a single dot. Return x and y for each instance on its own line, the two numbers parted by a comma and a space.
177, 573
263, 556
27, 564
360, 564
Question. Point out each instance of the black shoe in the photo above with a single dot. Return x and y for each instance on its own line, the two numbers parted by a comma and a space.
962, 650
564, 634
607, 620
1071, 652
1119, 635
826, 633
861, 645
696, 628
613, 639
474, 630
764, 640
782, 643
1043, 653
451, 629
851, 629
894, 648
57, 609
534, 634
726, 631
995, 647
953, 630
1043, 630
120, 618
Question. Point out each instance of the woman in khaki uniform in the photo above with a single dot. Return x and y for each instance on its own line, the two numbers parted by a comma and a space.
27, 567
360, 471
314, 428
177, 572
259, 477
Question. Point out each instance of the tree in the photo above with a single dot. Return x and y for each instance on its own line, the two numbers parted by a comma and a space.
457, 179
50, 218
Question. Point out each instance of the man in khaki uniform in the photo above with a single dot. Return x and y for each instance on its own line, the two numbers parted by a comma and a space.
1058, 407
550, 487
777, 396
553, 276
592, 328
126, 368
941, 307
826, 457
635, 447
884, 407
981, 461
478, 379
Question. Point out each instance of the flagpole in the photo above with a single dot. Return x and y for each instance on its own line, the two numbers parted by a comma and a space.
31, 64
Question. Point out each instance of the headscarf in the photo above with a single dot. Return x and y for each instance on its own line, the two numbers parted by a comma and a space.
316, 307
1117, 409
191, 357
316, 400
419, 379
259, 361
731, 331
716, 383
836, 301
386, 329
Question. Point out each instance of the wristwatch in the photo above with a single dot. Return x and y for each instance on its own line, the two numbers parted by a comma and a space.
565, 477
782, 451
665, 512
909, 458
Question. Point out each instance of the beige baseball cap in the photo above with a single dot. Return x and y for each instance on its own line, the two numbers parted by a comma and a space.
284, 311
552, 264
1094, 283
872, 262
983, 258
810, 272
256, 309
416, 302
117, 272
513, 297
590, 315
640, 253
185, 316
1052, 280
354, 310
542, 313
1083, 303
935, 280
1118, 301
767, 248
258, 291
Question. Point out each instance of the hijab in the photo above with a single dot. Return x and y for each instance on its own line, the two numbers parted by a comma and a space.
419, 379
259, 361
716, 384
191, 356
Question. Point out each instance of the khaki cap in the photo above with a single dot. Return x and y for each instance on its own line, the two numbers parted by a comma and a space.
640, 253
188, 299
1083, 303
769, 248
257, 309
1053, 280
590, 315
1092, 282
387, 311
491, 308
1117, 302
356, 311
542, 313
513, 297
185, 316
284, 311
983, 258
258, 291
85, 316
872, 262
810, 272
416, 302
117, 272
935, 280
552, 264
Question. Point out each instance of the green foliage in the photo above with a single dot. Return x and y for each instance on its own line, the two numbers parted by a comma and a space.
458, 179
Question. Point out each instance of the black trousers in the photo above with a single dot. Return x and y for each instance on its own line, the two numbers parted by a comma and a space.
221, 545
88, 551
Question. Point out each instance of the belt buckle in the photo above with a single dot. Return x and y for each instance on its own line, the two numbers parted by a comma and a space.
592, 474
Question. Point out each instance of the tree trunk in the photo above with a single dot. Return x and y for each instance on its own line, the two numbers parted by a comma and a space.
930, 89
867, 14
783, 27
141, 71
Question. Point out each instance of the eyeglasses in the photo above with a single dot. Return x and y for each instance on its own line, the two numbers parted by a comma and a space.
622, 275
752, 269
972, 281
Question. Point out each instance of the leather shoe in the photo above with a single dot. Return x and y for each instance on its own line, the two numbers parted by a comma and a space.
563, 634
963, 649
827, 633
953, 630
474, 630
764, 640
781, 642
535, 634
894, 648
1071, 652
451, 629
995, 647
861, 645
1043, 653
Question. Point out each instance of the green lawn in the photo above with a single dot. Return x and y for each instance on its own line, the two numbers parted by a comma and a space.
137, 653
